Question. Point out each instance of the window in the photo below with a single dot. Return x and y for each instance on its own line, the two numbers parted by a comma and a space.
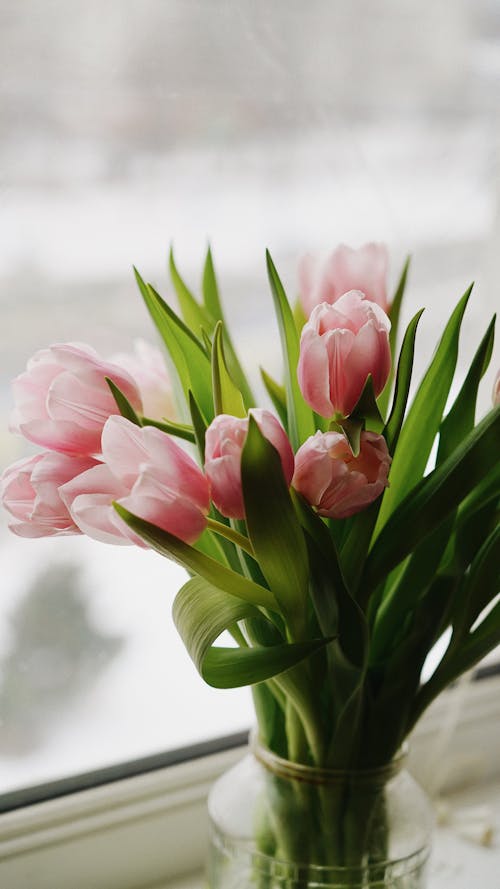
128, 125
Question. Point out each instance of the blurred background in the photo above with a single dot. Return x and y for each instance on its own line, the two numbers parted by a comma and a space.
127, 126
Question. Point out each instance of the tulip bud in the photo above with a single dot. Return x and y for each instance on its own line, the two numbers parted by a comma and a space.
333, 480
340, 346
63, 400
30, 491
224, 442
345, 269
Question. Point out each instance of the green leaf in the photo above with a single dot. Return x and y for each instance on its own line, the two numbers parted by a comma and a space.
403, 380
195, 315
201, 613
345, 742
366, 407
339, 618
456, 661
390, 717
228, 668
365, 413
397, 301
460, 418
479, 643
199, 425
213, 305
207, 342
210, 289
352, 430
273, 528
325, 575
186, 351
277, 395
304, 696
424, 417
300, 417
219, 575
435, 497
394, 315
176, 360
212, 545
270, 717
410, 586
356, 545
480, 586
227, 397
180, 430
424, 562
299, 316
123, 404
476, 517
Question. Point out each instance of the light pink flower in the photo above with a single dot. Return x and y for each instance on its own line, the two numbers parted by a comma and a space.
147, 473
340, 346
147, 368
30, 491
345, 269
495, 395
63, 400
224, 442
333, 480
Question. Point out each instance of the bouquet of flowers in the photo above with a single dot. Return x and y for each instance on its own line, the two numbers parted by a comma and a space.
315, 534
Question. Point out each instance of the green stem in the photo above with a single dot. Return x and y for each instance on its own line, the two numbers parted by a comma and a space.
231, 534
238, 636
298, 693
297, 741
278, 695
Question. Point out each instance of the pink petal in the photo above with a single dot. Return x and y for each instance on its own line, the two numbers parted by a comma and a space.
95, 516
124, 448
71, 399
180, 518
67, 438
224, 476
370, 354
313, 372
339, 344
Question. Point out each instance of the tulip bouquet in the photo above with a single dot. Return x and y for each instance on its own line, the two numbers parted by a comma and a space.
315, 534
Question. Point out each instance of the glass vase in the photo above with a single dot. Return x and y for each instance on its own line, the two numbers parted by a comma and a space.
275, 824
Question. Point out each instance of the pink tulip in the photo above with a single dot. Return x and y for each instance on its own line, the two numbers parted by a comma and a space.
147, 368
63, 400
147, 473
345, 269
30, 491
339, 347
223, 446
333, 480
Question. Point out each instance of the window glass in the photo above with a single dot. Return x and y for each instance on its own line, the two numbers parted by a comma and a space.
126, 126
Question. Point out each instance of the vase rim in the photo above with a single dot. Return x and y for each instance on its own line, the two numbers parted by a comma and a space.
312, 774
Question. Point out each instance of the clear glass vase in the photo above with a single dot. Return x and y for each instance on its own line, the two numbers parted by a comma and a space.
275, 824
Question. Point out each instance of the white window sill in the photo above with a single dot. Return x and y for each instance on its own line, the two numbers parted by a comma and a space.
150, 830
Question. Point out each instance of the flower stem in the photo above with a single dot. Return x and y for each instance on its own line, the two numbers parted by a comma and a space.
238, 635
231, 534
